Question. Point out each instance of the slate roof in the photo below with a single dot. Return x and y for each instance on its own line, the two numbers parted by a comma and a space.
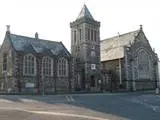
33, 45
85, 13
113, 48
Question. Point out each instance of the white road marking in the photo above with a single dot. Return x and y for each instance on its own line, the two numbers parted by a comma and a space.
5, 101
67, 98
68, 115
28, 100
55, 113
70, 98
155, 108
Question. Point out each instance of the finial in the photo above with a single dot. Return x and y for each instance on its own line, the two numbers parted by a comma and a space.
36, 35
8, 28
154, 50
118, 34
141, 27
85, 1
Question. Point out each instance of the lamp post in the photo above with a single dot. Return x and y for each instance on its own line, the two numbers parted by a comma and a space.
43, 85
156, 81
100, 85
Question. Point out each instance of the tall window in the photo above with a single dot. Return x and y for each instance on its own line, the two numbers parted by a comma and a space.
62, 67
4, 62
47, 66
143, 65
91, 34
75, 36
29, 64
80, 34
95, 36
88, 34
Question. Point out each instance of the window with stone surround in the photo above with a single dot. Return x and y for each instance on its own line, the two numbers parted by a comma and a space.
75, 36
92, 36
29, 64
80, 34
47, 64
62, 70
88, 34
143, 65
95, 35
4, 62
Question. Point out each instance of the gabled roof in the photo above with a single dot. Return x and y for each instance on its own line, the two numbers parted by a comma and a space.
85, 13
113, 48
33, 45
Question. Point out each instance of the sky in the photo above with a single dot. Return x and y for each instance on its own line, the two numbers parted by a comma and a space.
51, 18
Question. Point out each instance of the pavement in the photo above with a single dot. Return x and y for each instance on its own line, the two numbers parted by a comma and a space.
99, 106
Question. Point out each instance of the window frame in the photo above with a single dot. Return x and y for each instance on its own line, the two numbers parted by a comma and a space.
62, 67
47, 67
29, 65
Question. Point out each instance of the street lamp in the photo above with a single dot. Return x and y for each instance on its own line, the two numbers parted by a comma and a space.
43, 85
100, 85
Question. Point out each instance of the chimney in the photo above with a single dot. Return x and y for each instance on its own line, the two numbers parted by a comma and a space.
36, 35
8, 28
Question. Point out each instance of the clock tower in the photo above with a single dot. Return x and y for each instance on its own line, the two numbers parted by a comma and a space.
85, 49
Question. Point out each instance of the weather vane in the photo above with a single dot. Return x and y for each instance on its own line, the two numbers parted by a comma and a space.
85, 1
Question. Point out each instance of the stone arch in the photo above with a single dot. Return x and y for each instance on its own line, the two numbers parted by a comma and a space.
143, 64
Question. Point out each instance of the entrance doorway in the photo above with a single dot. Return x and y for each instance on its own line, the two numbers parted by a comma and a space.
92, 81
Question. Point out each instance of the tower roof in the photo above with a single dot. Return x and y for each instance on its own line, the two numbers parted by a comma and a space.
85, 13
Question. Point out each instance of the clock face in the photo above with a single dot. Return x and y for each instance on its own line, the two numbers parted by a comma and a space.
93, 53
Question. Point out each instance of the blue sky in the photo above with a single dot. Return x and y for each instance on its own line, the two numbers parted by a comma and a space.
51, 18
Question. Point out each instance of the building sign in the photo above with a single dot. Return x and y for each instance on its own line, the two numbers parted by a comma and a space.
93, 66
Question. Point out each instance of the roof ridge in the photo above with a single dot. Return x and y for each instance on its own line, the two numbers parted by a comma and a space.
35, 38
120, 35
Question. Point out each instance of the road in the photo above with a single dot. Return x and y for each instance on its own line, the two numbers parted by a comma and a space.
116, 106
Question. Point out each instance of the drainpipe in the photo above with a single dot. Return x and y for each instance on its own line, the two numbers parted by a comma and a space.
120, 72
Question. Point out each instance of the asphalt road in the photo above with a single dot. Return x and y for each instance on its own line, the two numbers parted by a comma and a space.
116, 106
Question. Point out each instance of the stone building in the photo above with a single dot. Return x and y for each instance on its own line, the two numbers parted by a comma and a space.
85, 50
132, 59
33, 64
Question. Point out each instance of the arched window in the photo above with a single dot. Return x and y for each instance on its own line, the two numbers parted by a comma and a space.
29, 64
143, 65
47, 66
62, 67
93, 54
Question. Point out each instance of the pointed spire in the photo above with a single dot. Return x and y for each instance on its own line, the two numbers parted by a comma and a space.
85, 13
